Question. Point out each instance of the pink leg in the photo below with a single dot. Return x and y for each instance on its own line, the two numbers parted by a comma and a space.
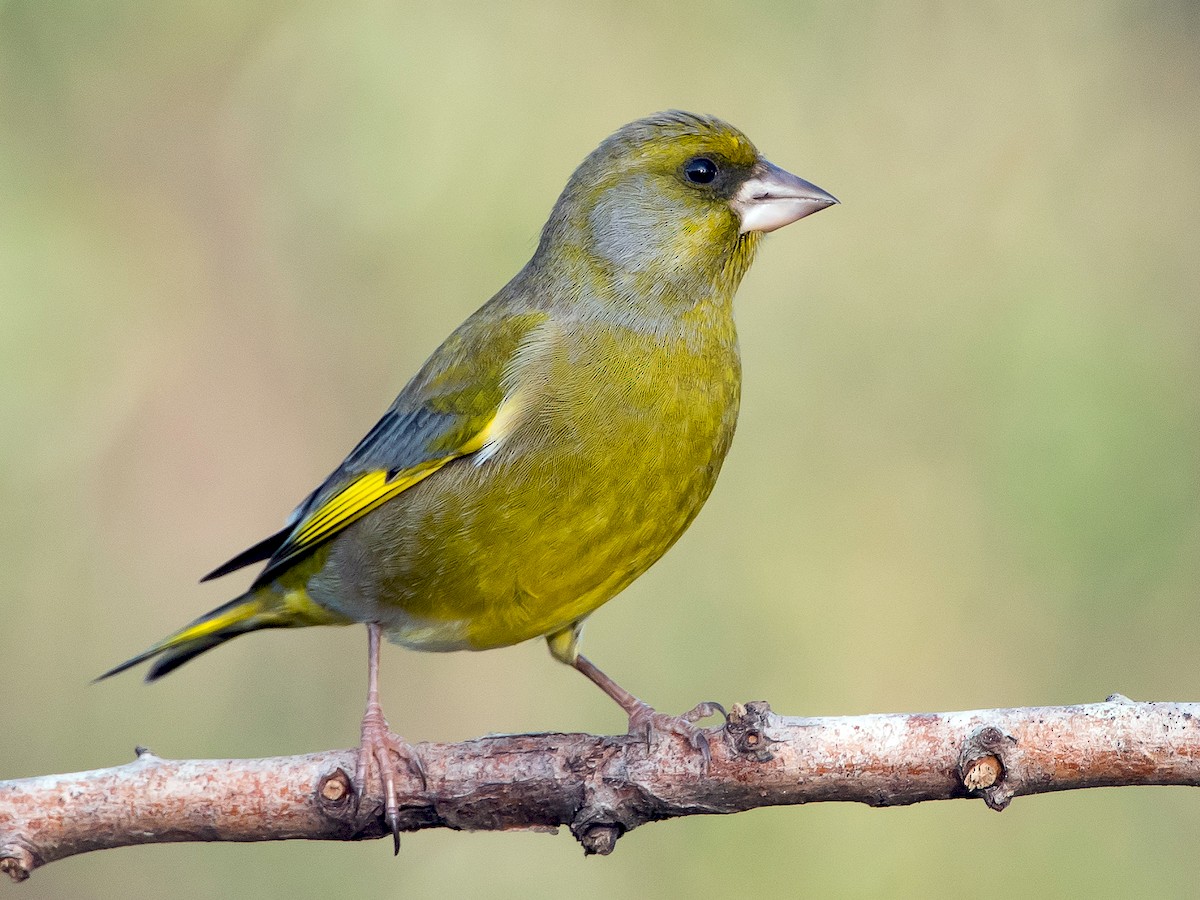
381, 748
644, 721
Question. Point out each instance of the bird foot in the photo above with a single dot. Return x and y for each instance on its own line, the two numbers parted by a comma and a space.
645, 722
381, 750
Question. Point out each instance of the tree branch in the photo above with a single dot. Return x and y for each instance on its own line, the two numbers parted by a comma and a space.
602, 787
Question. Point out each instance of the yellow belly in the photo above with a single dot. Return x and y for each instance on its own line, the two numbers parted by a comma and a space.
588, 495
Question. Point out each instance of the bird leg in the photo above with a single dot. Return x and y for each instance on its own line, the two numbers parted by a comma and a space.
381, 748
644, 720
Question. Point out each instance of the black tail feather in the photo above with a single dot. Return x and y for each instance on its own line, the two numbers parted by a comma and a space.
236, 617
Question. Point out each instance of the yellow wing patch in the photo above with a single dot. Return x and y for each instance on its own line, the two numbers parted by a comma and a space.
370, 490
355, 500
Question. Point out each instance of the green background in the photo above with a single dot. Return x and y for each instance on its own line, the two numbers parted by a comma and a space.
966, 473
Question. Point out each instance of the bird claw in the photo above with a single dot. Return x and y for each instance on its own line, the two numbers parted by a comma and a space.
703, 710
645, 722
381, 750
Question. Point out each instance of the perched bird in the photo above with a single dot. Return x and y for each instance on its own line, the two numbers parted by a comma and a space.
557, 443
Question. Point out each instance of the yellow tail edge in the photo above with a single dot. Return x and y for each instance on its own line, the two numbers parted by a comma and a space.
264, 608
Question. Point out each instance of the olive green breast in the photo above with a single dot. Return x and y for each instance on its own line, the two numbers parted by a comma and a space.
620, 432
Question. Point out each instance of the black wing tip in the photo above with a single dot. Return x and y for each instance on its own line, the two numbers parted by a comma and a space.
264, 549
222, 570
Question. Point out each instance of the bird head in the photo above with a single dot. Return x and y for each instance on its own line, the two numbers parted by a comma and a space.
674, 203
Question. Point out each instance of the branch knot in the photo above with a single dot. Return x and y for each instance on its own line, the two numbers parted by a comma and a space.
982, 768
746, 730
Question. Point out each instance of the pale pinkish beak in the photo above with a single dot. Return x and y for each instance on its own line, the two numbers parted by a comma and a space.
771, 198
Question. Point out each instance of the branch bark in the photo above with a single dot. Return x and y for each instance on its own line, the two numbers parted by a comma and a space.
603, 787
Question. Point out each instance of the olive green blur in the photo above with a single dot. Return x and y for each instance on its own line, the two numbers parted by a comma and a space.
965, 472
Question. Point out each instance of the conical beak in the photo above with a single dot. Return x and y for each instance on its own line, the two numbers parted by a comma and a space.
771, 198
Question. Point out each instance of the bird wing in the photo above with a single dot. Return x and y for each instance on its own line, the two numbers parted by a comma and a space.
465, 399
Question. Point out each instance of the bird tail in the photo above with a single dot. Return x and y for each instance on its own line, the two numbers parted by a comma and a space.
262, 608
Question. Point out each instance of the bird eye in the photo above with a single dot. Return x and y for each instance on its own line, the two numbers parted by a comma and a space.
700, 170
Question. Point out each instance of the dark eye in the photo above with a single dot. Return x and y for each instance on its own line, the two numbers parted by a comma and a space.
700, 170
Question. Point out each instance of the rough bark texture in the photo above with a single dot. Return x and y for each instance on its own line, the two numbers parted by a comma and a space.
602, 787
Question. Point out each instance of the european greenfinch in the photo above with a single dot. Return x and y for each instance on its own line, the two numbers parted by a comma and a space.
554, 446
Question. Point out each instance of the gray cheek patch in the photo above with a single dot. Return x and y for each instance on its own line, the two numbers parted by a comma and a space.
628, 226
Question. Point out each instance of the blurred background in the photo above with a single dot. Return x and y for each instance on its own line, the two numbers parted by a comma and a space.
966, 473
